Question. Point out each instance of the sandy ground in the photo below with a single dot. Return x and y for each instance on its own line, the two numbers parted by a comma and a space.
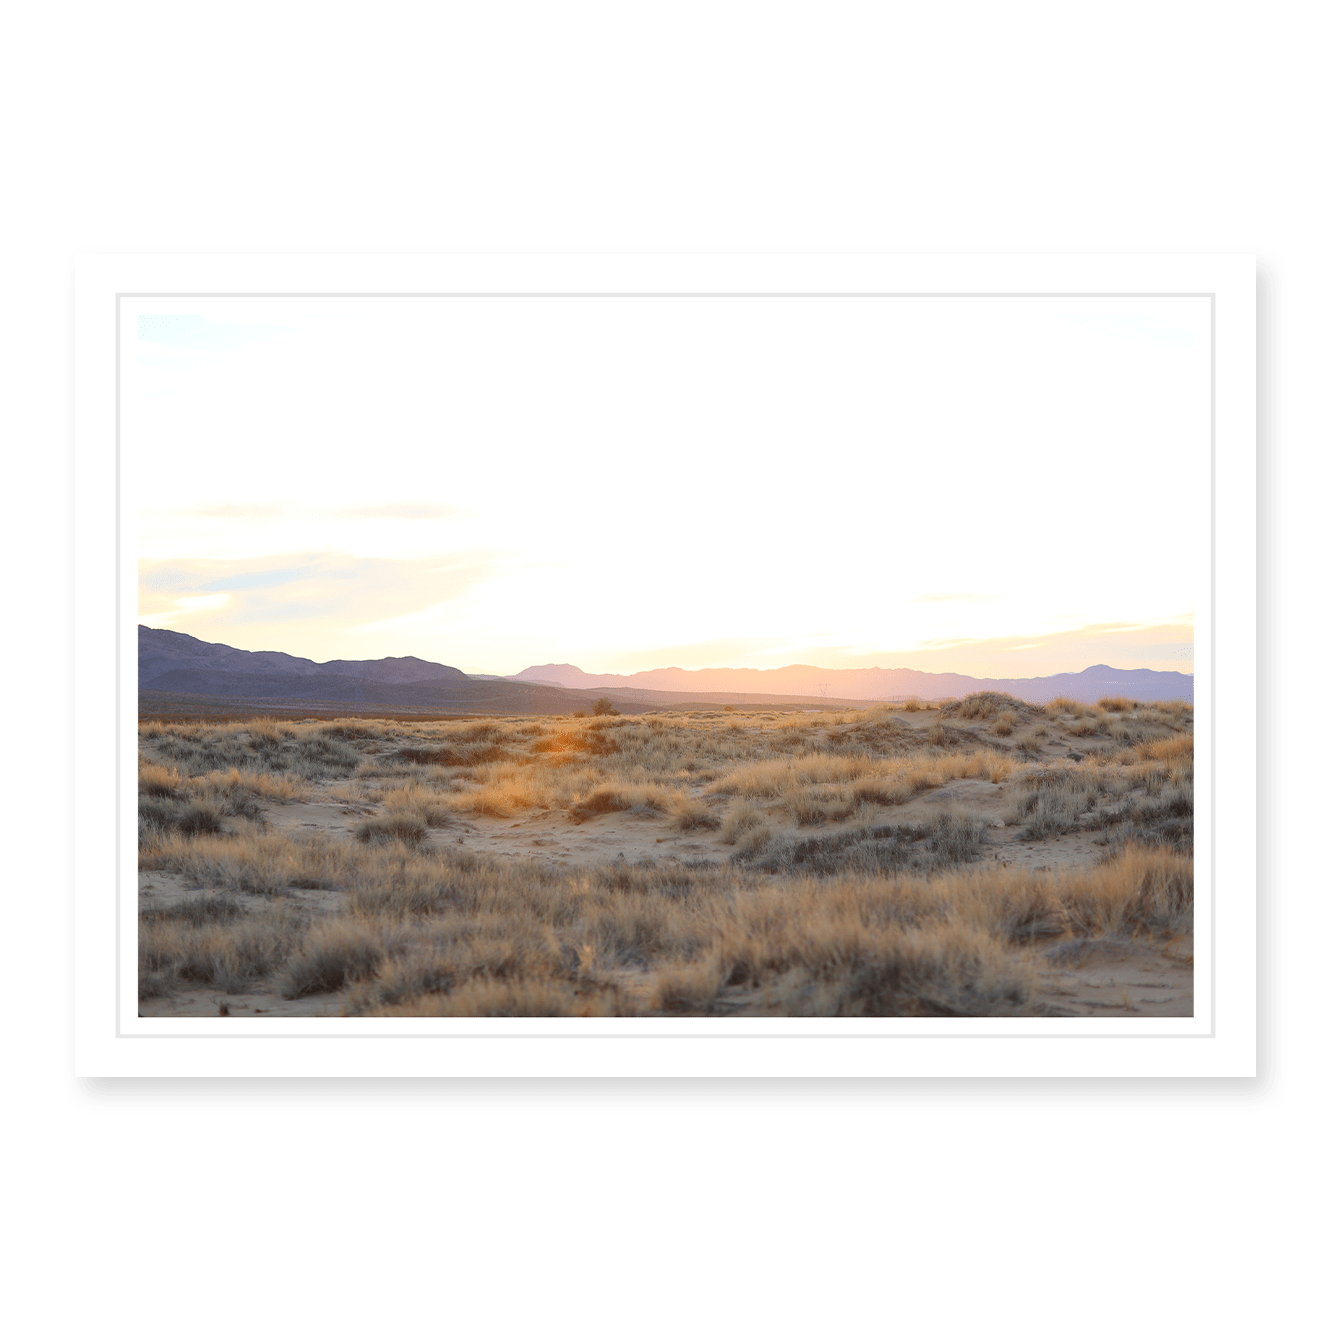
1094, 978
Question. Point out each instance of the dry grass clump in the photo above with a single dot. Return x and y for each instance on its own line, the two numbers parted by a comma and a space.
777, 776
333, 954
692, 815
213, 948
358, 731
1066, 706
645, 799
680, 989
1149, 802
1140, 890
1177, 752
423, 802
810, 808
237, 786
455, 755
201, 908
1136, 729
751, 843
920, 847
404, 827
260, 863
740, 820
196, 806
987, 705
159, 782
1052, 799
814, 951
1164, 816
1089, 725
1178, 709
310, 752
1117, 704
168, 816
1006, 722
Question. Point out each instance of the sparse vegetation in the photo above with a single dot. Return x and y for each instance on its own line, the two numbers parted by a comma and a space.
846, 863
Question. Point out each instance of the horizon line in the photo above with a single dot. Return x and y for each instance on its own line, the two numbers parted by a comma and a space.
755, 669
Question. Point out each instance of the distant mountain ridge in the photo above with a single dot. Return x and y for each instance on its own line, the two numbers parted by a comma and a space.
171, 662
1087, 685
163, 654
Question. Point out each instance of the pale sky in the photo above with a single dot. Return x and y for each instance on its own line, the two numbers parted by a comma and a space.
998, 486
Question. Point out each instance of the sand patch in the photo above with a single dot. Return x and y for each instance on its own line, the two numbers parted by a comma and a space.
1119, 977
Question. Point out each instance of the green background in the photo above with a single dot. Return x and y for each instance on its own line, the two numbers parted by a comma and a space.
591, 124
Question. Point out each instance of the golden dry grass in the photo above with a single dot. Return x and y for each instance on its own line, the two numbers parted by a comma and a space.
856, 919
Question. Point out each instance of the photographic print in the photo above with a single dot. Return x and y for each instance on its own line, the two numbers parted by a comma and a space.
667, 656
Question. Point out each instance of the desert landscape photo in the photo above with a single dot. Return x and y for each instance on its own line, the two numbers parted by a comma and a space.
875, 630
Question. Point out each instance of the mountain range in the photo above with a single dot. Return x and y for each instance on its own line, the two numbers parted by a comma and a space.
876, 684
164, 654
178, 671
175, 663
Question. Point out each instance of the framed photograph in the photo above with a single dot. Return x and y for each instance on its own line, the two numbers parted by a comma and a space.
665, 665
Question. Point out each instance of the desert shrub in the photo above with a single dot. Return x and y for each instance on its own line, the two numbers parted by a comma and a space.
230, 954
985, 706
681, 988
1117, 704
1067, 706
741, 819
405, 827
1176, 750
199, 909
167, 814
752, 843
602, 800
841, 953
1163, 819
694, 816
1089, 725
332, 955
1045, 813
1139, 887
479, 730
813, 807
510, 997
420, 802
240, 792
315, 756
604, 707
1176, 709
920, 846
454, 755
590, 740
161, 782
352, 729
1029, 746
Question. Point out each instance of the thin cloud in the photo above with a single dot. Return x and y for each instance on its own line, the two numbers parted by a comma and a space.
254, 512
407, 512
951, 595
327, 590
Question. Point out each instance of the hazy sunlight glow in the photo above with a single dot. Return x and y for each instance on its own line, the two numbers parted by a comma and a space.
995, 486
